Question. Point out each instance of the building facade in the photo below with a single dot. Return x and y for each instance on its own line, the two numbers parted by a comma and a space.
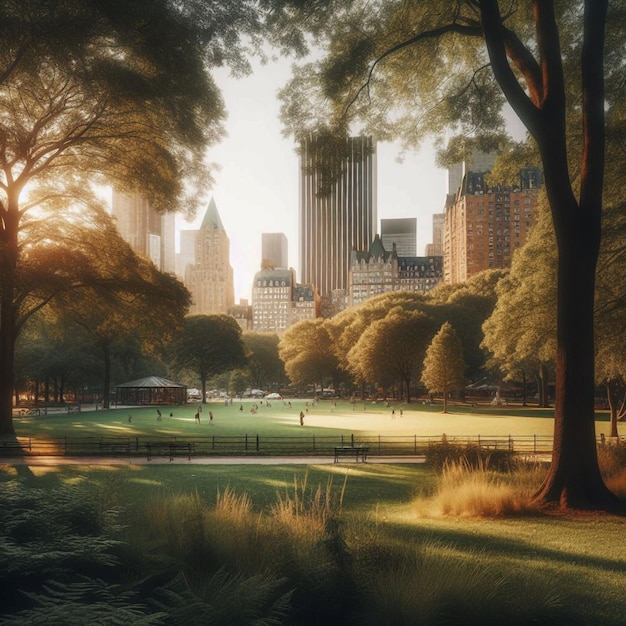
210, 277
484, 226
274, 250
436, 247
402, 232
242, 312
148, 233
336, 216
279, 302
378, 271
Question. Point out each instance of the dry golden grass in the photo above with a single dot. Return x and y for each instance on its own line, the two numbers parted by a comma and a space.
463, 490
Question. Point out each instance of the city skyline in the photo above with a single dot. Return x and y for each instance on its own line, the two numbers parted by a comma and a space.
257, 185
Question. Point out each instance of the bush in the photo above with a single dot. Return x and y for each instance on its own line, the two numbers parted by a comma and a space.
612, 461
441, 454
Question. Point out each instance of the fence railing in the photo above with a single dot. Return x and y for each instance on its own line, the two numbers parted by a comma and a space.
259, 445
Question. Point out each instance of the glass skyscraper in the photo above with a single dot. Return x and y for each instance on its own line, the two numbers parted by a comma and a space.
337, 208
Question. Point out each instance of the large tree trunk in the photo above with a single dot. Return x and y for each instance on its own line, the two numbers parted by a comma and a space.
8, 312
7, 353
574, 478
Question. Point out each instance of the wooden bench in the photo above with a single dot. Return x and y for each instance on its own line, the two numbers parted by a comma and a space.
355, 451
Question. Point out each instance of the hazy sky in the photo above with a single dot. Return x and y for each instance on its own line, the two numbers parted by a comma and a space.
256, 189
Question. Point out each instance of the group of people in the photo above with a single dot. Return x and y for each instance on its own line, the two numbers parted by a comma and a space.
197, 416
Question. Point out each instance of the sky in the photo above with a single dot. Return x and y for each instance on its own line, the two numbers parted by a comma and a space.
256, 187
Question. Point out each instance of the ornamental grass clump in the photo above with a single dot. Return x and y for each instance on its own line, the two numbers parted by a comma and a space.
307, 511
463, 489
612, 462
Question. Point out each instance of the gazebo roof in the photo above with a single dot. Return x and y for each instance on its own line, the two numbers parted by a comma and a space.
154, 382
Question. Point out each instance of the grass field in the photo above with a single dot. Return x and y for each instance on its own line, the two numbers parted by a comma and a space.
407, 562
572, 568
280, 419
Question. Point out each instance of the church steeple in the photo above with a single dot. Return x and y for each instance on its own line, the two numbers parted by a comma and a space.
212, 216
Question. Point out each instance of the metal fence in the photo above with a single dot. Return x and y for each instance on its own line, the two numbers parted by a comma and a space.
259, 445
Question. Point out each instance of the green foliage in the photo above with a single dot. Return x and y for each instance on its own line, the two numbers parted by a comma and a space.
231, 563
440, 455
392, 348
265, 366
308, 352
444, 366
84, 602
53, 535
208, 345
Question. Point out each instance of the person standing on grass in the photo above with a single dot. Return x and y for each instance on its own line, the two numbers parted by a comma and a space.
210, 418
301, 418
197, 417
159, 417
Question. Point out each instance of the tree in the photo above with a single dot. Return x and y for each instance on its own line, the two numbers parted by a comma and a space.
392, 349
116, 297
265, 367
611, 314
207, 345
114, 92
307, 351
521, 332
444, 366
407, 67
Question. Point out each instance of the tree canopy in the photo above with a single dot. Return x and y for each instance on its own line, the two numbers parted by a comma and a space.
207, 345
443, 365
404, 69
116, 92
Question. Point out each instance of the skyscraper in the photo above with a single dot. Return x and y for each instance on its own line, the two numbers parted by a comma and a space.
485, 225
401, 231
148, 233
336, 216
274, 250
474, 161
210, 278
436, 247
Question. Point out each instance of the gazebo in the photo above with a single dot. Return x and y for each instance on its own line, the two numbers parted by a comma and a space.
151, 390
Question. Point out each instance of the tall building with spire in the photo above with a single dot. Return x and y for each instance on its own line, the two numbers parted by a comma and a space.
210, 277
148, 233
342, 219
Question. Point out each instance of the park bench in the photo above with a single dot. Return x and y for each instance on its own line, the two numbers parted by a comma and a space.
355, 451
171, 449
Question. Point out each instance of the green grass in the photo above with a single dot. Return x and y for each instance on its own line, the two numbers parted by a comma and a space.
324, 543
282, 420
552, 569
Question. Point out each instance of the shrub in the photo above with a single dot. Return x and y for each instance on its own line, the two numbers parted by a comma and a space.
439, 455
612, 461
465, 489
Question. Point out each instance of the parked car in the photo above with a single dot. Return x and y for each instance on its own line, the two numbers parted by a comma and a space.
273, 396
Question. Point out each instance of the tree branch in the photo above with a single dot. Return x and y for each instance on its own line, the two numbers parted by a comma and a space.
454, 27
592, 166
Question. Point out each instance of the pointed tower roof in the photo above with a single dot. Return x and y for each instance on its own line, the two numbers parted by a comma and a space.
212, 216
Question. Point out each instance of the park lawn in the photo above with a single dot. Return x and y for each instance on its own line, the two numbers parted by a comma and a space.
580, 558
325, 418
